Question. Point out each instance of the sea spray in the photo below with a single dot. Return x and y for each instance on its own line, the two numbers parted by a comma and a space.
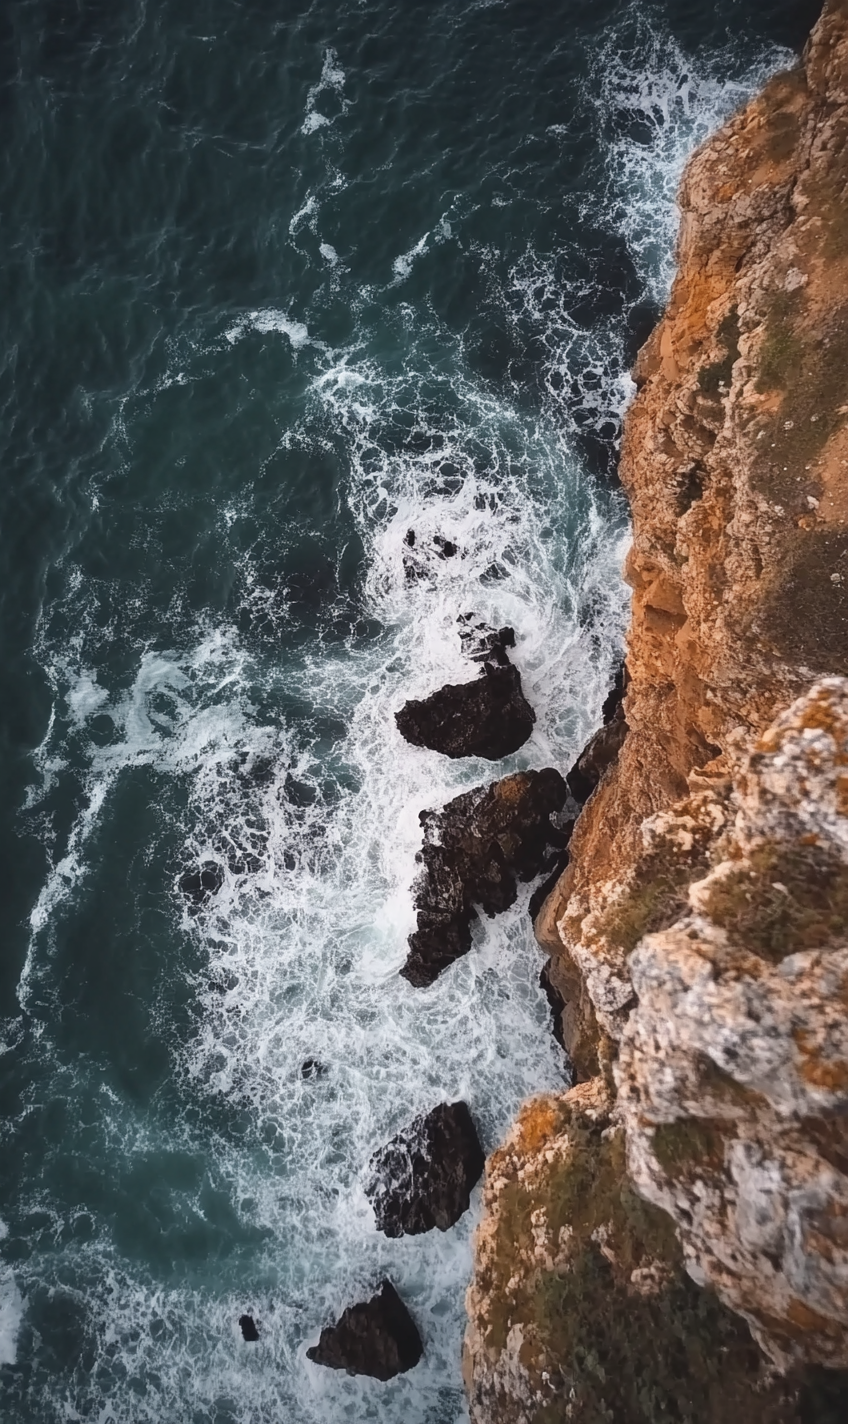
230, 622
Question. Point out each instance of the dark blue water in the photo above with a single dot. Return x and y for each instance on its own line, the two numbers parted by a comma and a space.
280, 282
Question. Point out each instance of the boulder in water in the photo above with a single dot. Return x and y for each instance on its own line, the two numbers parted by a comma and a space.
475, 851
489, 717
482, 643
425, 1176
377, 1338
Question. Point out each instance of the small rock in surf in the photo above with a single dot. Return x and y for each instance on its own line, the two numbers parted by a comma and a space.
475, 851
377, 1338
424, 1176
482, 643
488, 718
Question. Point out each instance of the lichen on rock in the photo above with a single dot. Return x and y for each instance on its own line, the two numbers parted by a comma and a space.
733, 1066
690, 1196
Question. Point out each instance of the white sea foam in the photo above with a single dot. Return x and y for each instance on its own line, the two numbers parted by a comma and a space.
332, 81
269, 319
313, 818
403, 265
661, 105
11, 1309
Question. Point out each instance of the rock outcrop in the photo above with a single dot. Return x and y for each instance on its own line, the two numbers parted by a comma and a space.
733, 1066
698, 936
489, 717
424, 1177
377, 1337
475, 851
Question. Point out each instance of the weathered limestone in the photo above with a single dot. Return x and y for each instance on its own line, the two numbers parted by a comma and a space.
699, 935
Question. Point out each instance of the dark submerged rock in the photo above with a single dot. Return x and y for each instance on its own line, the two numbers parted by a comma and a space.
248, 1328
425, 1176
475, 851
603, 748
377, 1338
556, 866
556, 1001
199, 884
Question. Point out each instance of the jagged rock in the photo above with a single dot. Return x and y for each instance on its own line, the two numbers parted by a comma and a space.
415, 563
377, 1338
488, 718
424, 1177
482, 643
556, 1001
555, 871
602, 749
247, 1325
475, 850
733, 1068
199, 884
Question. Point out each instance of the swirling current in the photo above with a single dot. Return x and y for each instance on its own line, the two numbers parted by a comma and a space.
282, 281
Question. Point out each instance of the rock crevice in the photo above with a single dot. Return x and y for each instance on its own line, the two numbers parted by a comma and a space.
698, 935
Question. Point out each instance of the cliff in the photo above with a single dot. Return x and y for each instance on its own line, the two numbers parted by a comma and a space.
692, 1190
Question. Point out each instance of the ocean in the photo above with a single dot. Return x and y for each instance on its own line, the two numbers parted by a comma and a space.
282, 282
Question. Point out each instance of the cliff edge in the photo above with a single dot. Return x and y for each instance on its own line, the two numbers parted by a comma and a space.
691, 1192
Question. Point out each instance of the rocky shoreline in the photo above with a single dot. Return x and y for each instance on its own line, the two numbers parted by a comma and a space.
668, 1238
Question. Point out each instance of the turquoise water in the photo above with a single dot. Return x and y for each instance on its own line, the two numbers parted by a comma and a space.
281, 282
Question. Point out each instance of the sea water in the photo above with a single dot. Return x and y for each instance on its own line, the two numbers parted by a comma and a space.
281, 283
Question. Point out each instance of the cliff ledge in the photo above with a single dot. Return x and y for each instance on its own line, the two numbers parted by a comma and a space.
670, 1238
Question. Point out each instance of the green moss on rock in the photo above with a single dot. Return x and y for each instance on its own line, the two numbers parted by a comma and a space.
788, 898
657, 897
623, 1334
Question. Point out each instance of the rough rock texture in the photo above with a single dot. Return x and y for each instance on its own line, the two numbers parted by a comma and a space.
600, 753
733, 1067
377, 1338
475, 851
425, 1176
489, 718
580, 1309
699, 935
734, 460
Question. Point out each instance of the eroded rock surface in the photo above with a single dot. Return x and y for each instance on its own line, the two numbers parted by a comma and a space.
475, 851
489, 717
733, 1066
580, 1309
734, 459
699, 935
424, 1177
377, 1337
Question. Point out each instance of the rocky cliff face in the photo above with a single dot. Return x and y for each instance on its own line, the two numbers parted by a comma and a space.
700, 934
